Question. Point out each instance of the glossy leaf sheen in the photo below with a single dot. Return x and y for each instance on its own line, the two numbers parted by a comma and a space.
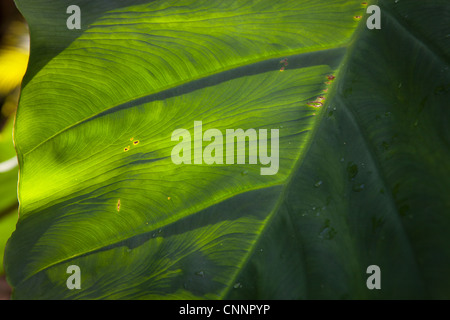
361, 179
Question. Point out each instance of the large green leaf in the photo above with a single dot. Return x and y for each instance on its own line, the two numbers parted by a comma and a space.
361, 180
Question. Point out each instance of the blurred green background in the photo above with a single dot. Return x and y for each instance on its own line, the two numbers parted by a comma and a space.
14, 52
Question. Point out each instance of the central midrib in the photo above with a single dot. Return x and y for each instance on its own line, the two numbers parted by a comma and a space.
350, 47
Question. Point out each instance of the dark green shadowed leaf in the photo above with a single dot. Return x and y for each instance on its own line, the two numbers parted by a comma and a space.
361, 178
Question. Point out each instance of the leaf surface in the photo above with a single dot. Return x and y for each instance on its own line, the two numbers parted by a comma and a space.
361, 179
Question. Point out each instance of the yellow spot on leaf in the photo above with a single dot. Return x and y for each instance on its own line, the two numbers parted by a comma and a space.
118, 205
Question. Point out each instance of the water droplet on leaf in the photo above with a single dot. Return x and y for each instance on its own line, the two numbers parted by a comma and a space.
327, 233
352, 170
358, 188
200, 274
